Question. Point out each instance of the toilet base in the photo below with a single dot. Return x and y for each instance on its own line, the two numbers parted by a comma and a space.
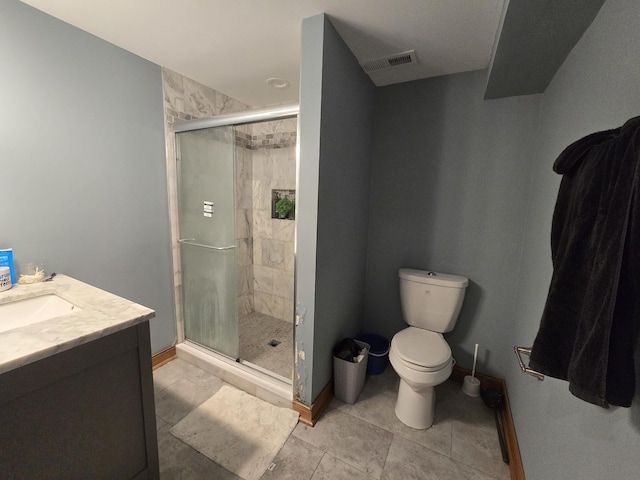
416, 409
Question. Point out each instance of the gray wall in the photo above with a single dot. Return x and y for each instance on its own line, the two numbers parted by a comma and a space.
598, 87
83, 182
448, 187
336, 111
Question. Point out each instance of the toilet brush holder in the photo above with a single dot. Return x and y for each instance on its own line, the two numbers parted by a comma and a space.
471, 386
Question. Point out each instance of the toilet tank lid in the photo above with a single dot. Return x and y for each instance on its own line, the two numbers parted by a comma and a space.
434, 278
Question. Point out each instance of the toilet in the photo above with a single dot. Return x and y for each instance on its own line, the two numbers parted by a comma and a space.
419, 354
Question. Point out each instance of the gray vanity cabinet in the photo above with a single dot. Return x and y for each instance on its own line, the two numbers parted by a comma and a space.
85, 413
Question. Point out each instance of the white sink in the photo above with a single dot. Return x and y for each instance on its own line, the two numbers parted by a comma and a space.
33, 310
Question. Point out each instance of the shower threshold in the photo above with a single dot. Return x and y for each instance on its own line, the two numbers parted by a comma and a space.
254, 380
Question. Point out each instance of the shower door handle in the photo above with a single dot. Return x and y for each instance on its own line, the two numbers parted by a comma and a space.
190, 241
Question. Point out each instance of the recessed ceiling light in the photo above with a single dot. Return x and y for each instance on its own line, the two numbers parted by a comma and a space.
275, 82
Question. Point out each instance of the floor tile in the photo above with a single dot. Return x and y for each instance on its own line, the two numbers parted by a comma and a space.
468, 473
478, 446
178, 461
388, 381
167, 374
362, 441
181, 397
410, 461
378, 407
177, 369
206, 380
461, 407
354, 441
161, 425
297, 460
331, 468
238, 431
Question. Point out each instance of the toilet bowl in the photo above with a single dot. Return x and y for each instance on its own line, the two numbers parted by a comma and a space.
419, 354
420, 370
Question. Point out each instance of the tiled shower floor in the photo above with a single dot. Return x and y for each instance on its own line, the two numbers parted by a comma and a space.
257, 334
363, 441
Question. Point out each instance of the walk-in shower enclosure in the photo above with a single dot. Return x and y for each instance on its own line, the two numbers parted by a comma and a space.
236, 250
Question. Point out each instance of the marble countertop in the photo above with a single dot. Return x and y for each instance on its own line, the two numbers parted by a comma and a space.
101, 314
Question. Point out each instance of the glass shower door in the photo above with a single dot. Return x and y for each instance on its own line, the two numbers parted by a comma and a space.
206, 203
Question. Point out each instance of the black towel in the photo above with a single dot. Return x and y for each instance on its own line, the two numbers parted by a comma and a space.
589, 327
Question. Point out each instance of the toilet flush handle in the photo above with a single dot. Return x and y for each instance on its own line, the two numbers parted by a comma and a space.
431, 274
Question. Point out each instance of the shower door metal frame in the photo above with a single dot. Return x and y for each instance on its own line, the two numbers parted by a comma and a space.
234, 119
240, 118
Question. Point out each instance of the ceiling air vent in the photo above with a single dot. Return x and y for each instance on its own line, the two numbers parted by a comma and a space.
392, 61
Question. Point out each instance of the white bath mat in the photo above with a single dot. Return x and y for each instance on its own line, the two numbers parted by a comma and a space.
238, 431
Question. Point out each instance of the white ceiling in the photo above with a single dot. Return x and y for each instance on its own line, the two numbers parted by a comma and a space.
233, 46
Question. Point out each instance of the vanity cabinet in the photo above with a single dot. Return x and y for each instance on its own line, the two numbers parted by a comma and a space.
84, 413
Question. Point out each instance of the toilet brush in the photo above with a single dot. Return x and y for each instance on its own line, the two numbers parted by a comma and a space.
475, 358
471, 385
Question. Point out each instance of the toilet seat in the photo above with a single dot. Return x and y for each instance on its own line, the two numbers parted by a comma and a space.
421, 350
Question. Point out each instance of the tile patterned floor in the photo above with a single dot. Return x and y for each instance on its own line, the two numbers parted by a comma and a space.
363, 441
256, 331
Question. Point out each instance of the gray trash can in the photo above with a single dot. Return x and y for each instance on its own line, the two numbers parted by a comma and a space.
349, 377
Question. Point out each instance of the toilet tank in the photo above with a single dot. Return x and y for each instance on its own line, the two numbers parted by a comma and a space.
431, 300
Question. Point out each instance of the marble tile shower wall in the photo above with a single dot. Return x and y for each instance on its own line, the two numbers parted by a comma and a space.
244, 222
274, 168
265, 159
